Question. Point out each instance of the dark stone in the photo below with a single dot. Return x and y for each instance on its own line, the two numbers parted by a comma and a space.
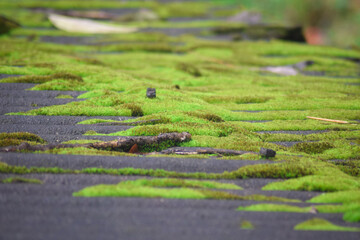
304, 64
151, 93
265, 152
259, 32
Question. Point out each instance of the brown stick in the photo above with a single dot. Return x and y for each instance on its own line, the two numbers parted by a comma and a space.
193, 151
122, 144
145, 122
328, 120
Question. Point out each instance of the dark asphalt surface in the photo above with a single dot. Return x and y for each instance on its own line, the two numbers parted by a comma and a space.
50, 212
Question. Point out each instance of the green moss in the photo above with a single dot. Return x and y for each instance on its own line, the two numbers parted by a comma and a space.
169, 188
207, 116
149, 192
316, 183
63, 96
42, 79
246, 225
21, 180
313, 147
136, 110
22, 136
237, 100
13, 139
352, 216
84, 151
351, 210
255, 171
338, 197
319, 224
116, 86
90, 132
173, 182
278, 170
190, 69
95, 121
351, 167
272, 208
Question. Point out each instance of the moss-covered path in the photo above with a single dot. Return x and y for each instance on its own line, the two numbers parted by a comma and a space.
232, 86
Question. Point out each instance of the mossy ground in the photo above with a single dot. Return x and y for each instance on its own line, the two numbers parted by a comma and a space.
171, 188
318, 224
12, 139
207, 88
21, 180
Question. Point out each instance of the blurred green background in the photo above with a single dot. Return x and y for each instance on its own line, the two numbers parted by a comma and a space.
337, 20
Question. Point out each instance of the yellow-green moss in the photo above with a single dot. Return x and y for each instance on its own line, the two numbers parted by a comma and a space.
319, 224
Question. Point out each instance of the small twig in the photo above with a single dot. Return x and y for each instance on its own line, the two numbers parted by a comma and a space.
328, 120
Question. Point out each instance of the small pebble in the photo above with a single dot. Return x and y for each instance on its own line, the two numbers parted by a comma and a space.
265, 152
151, 93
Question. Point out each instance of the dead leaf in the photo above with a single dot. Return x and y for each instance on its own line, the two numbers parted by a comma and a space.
70, 24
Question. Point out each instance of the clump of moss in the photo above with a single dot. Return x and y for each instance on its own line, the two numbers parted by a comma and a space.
44, 65
278, 170
22, 136
246, 225
22, 180
313, 147
190, 69
176, 188
236, 99
150, 192
11, 142
136, 110
173, 182
316, 183
319, 224
63, 96
90, 132
208, 116
337, 197
243, 172
272, 208
12, 139
350, 167
6, 25
43, 79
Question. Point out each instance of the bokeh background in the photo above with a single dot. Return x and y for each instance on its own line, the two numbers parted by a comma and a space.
330, 22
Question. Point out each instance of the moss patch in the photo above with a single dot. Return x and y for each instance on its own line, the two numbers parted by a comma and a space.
244, 172
338, 197
246, 225
169, 188
351, 210
64, 96
272, 208
319, 224
42, 79
21, 180
316, 183
313, 147
13, 139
